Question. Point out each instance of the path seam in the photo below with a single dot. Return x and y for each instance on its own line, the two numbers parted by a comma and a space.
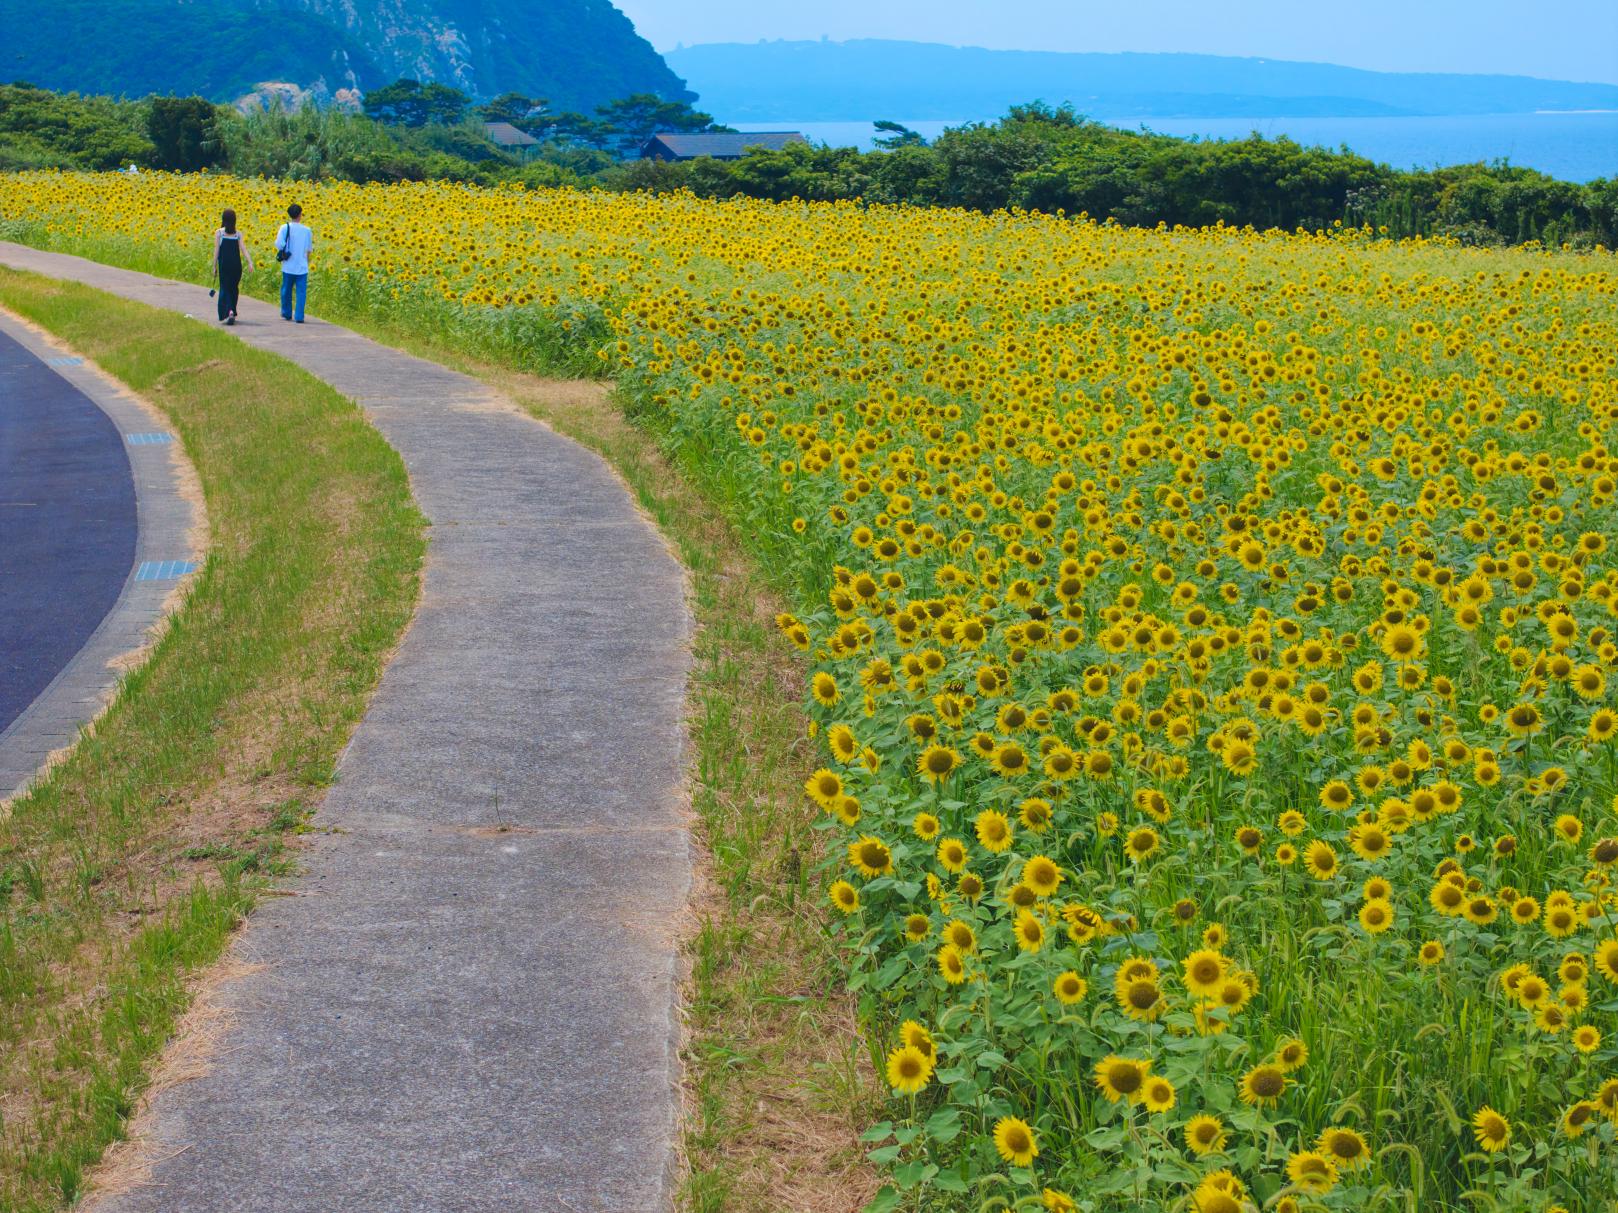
171, 524
460, 1017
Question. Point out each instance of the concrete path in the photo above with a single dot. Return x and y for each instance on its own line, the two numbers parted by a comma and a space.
94, 534
470, 1004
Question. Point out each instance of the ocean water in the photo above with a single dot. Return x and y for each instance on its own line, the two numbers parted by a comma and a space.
1572, 146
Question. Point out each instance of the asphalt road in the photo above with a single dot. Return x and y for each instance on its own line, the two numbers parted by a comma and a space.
67, 524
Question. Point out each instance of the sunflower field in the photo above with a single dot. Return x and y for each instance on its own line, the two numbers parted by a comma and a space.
1212, 638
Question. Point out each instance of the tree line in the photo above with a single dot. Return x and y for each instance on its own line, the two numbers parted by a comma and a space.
1036, 158
1039, 158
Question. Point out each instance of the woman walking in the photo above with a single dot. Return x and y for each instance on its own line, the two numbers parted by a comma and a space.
229, 252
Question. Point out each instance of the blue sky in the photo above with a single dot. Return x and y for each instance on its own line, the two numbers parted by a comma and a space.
1558, 39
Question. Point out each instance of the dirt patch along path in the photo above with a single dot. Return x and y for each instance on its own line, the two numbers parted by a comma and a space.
471, 1002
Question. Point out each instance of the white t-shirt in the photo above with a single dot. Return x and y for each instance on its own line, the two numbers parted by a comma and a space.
298, 240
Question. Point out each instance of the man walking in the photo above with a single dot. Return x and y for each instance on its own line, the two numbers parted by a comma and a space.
292, 245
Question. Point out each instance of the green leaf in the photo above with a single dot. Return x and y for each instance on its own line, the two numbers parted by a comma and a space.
1105, 1139
884, 1201
889, 973
883, 1155
913, 1173
944, 1125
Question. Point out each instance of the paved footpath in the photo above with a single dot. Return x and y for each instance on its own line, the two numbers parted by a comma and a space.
451, 1014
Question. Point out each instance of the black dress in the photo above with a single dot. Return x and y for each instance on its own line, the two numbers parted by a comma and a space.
230, 274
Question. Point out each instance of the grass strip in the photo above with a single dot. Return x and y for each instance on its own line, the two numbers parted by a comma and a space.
125, 871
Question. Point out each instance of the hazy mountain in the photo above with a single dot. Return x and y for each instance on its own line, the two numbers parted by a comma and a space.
577, 53
860, 80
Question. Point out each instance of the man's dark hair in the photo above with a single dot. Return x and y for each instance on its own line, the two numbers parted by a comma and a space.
294, 211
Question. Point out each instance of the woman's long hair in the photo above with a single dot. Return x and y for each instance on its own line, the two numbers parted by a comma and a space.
229, 220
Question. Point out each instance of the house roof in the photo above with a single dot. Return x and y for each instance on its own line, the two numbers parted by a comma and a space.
507, 135
723, 145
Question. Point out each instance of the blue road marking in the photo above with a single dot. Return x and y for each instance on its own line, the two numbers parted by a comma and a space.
148, 439
64, 362
164, 570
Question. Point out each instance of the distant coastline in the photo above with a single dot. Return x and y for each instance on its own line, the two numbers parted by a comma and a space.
1572, 145
864, 79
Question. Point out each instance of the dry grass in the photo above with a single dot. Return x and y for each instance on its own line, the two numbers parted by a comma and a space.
198, 1035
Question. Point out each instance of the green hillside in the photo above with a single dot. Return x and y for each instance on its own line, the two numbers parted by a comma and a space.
577, 53
135, 47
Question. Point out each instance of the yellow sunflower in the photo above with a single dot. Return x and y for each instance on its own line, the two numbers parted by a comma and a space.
1312, 1172
1320, 860
1069, 988
1263, 1085
1158, 1094
1141, 844
993, 830
909, 1070
937, 763
1204, 972
1492, 1130
1121, 1078
1204, 1134
870, 856
1042, 875
1014, 1141
1030, 932
1345, 1147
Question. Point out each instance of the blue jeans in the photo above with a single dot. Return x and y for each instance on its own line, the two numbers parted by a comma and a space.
290, 284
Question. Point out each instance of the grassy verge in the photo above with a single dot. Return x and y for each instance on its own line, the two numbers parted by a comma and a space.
126, 870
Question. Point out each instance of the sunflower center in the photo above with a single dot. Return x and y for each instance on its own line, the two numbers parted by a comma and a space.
1125, 1078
